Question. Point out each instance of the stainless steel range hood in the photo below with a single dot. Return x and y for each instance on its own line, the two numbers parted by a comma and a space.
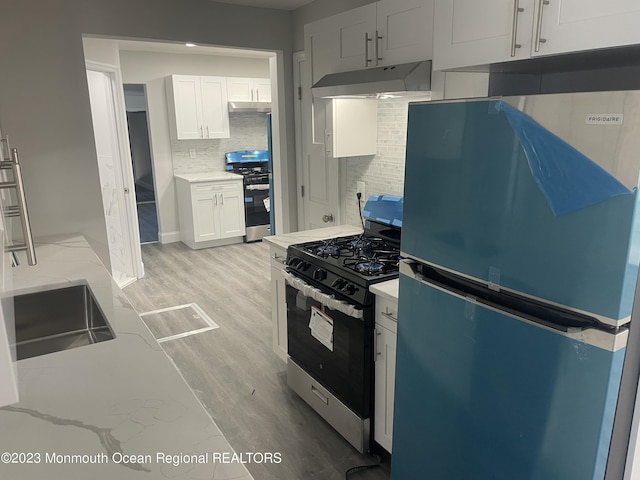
407, 77
249, 107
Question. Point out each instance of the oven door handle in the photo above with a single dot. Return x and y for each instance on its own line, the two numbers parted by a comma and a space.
329, 301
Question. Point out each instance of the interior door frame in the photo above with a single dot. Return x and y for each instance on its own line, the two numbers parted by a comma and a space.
298, 65
126, 189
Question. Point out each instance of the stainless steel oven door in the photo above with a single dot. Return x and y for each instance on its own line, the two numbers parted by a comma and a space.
332, 341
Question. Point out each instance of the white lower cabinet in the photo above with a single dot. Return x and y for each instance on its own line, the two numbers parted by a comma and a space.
278, 301
385, 370
211, 212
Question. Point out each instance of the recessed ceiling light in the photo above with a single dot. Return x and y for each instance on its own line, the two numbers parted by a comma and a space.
190, 45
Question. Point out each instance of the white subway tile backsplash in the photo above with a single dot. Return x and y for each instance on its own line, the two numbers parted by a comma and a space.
384, 172
248, 131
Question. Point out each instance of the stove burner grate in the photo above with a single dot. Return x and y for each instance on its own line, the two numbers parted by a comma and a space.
370, 267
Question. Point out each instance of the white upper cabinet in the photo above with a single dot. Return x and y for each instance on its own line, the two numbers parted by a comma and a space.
197, 107
404, 31
388, 32
215, 111
574, 25
249, 89
468, 33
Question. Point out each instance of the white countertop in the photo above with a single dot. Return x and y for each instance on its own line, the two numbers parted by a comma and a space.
286, 239
388, 289
122, 396
208, 176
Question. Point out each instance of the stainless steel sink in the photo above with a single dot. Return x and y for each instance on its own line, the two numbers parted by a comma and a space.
54, 320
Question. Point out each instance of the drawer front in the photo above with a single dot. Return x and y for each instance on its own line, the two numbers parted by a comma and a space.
216, 187
387, 313
336, 413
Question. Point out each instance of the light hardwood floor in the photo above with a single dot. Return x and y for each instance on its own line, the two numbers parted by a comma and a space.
233, 370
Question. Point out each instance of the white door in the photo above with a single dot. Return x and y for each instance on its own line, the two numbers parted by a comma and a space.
323, 46
188, 107
319, 188
231, 213
262, 89
205, 222
469, 32
385, 374
573, 25
403, 33
239, 89
110, 161
215, 109
355, 31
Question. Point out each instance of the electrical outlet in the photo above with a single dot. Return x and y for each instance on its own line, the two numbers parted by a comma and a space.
360, 187
192, 153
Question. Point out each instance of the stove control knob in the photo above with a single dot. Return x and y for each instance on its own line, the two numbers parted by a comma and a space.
319, 274
350, 289
292, 262
301, 265
305, 266
339, 284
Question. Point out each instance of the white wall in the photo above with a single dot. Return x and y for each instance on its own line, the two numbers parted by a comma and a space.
169, 157
44, 100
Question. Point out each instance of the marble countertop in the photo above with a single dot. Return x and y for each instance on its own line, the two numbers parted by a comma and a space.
208, 176
107, 403
388, 289
286, 239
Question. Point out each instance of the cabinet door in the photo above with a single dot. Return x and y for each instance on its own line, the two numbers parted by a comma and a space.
469, 32
322, 48
231, 205
574, 25
239, 89
187, 98
353, 28
215, 110
262, 89
204, 207
404, 31
384, 386
279, 312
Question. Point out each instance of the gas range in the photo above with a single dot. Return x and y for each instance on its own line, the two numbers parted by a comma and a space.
346, 266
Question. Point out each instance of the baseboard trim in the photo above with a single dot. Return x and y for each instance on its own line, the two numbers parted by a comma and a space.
169, 237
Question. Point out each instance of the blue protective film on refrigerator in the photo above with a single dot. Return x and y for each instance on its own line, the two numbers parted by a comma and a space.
568, 179
247, 156
385, 209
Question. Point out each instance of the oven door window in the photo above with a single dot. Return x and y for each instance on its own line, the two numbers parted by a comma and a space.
344, 370
254, 207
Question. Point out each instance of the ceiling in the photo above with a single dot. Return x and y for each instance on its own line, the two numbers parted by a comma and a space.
277, 4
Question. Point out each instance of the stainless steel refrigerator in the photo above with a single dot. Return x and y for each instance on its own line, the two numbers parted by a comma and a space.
521, 244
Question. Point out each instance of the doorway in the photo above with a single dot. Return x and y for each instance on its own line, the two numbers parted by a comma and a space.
141, 162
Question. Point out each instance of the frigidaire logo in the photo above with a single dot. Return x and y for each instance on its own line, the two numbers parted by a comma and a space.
604, 118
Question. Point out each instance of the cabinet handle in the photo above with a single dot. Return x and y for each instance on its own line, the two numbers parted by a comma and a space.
216, 197
257, 95
539, 39
366, 49
514, 29
378, 57
222, 199
318, 394
376, 334
201, 133
389, 316
207, 131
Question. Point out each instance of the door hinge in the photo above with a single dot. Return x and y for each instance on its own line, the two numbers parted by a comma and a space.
299, 93
302, 190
